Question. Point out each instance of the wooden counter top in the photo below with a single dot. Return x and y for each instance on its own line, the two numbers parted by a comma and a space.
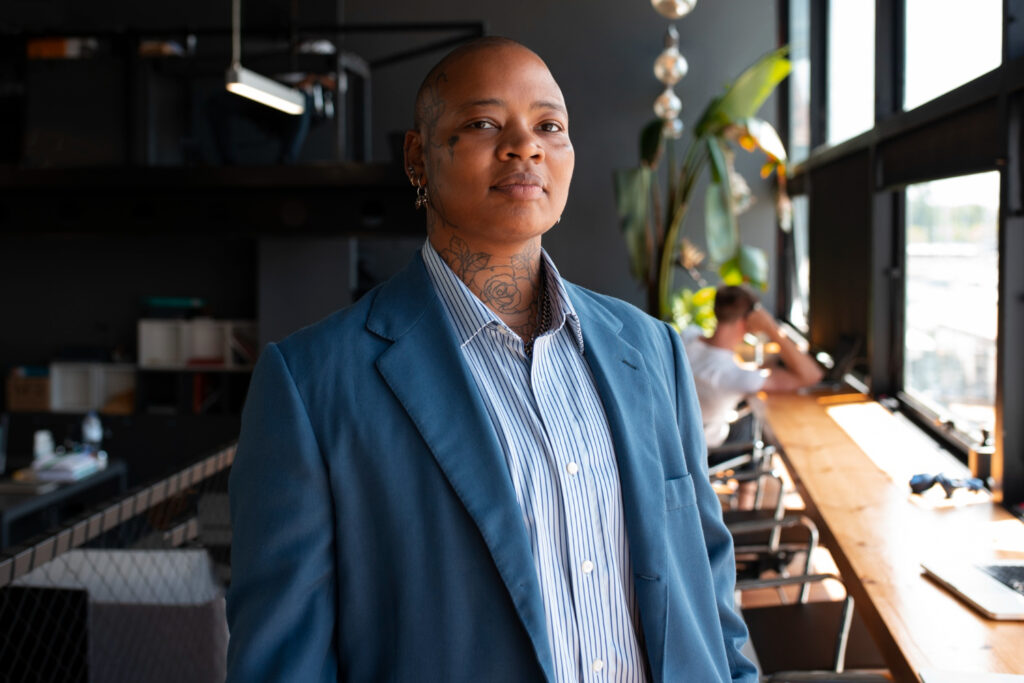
879, 535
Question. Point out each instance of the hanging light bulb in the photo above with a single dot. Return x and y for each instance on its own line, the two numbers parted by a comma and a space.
667, 106
673, 9
670, 66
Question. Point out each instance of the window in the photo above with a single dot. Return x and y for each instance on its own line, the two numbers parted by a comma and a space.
799, 268
949, 341
911, 251
948, 43
799, 80
851, 68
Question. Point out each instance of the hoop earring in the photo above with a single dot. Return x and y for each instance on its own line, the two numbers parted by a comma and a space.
422, 198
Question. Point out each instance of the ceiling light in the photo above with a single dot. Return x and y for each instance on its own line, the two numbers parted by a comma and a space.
252, 85
246, 83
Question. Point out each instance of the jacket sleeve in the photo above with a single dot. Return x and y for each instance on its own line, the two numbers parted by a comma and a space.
281, 603
716, 535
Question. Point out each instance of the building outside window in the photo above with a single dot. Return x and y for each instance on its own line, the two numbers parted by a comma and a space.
851, 69
952, 288
949, 43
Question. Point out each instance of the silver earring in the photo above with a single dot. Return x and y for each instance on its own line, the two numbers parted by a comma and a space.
422, 199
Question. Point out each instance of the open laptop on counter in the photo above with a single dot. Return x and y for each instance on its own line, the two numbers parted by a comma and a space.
994, 588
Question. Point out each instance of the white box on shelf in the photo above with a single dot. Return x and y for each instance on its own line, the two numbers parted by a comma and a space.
71, 387
161, 342
198, 343
206, 342
81, 387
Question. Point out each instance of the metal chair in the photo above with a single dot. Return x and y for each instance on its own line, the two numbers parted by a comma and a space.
811, 641
763, 544
766, 539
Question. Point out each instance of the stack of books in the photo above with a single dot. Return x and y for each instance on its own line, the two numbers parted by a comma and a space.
64, 468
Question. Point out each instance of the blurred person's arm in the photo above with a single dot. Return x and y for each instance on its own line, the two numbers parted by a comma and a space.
800, 369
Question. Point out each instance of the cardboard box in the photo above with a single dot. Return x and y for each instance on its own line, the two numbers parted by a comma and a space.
27, 394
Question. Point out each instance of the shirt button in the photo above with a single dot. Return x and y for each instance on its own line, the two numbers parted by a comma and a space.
572, 468
598, 665
587, 567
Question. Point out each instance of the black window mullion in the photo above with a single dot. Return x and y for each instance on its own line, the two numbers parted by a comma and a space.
1013, 30
890, 17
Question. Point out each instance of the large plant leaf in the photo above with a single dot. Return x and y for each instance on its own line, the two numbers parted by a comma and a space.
759, 134
730, 272
652, 142
747, 93
632, 197
754, 265
720, 222
749, 265
719, 166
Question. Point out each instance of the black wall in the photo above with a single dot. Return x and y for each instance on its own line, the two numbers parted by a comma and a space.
59, 290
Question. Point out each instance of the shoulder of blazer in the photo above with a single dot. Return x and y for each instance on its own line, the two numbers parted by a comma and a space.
631, 323
378, 318
343, 328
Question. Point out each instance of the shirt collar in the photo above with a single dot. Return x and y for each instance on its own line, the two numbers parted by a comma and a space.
469, 315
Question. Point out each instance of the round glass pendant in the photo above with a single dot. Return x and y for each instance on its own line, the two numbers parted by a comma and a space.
670, 66
667, 106
673, 129
673, 9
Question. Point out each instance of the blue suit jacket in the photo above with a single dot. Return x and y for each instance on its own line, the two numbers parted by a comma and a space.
376, 533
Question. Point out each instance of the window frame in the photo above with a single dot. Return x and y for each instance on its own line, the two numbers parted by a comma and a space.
913, 146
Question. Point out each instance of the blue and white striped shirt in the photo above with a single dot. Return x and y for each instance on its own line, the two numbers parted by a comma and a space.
558, 447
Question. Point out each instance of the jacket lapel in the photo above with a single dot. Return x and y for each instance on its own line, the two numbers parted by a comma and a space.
621, 376
423, 365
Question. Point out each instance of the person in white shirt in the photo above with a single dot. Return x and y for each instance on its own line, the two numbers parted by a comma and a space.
722, 383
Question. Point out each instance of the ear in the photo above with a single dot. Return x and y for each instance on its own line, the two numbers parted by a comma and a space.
413, 149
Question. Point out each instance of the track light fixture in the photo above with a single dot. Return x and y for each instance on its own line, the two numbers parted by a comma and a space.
252, 85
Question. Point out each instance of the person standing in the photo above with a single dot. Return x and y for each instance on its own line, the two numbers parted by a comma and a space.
479, 471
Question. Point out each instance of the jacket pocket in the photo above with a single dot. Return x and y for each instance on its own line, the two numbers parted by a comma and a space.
679, 492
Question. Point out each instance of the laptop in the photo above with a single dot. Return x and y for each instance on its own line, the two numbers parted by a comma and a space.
994, 588
835, 366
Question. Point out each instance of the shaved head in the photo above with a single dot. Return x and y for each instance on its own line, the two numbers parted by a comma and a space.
490, 151
422, 113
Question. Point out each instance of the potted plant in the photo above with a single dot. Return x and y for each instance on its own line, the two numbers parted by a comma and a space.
652, 221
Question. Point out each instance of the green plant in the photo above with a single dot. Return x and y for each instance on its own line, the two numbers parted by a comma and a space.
651, 225
690, 307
